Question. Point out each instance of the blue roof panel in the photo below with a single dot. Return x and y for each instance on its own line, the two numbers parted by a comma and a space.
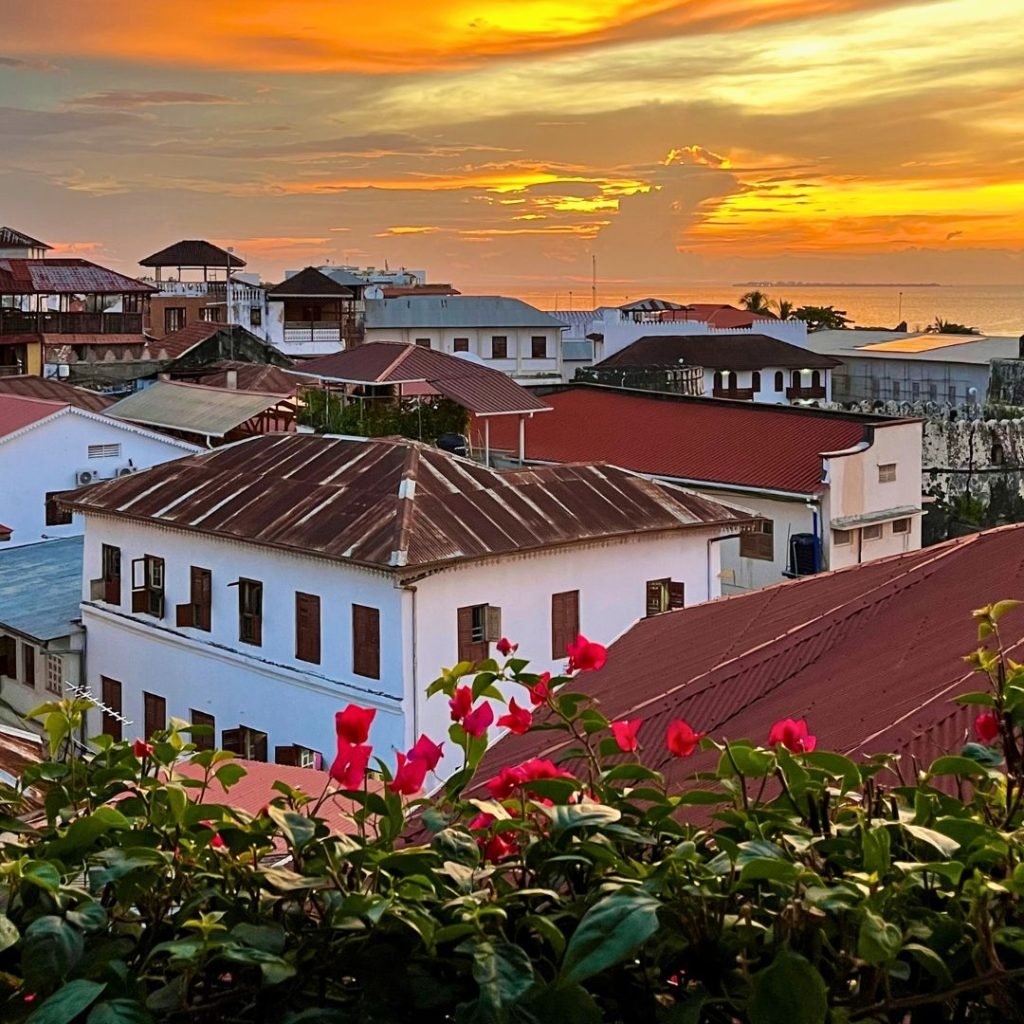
41, 587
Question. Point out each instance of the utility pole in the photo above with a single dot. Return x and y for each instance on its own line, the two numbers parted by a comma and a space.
593, 281
227, 288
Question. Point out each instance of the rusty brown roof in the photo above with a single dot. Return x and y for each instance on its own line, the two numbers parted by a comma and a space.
55, 391
192, 252
717, 352
64, 276
394, 503
271, 380
310, 283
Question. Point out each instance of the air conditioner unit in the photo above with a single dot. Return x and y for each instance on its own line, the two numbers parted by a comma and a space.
127, 470
86, 476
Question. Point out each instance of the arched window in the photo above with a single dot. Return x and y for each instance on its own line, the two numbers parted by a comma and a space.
718, 380
755, 380
998, 455
796, 379
779, 380
815, 379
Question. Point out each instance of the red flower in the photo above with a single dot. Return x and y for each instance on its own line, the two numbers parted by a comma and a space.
462, 703
349, 768
476, 722
986, 727
481, 821
426, 750
409, 775
585, 656
625, 734
518, 719
506, 647
497, 848
680, 739
540, 691
216, 842
792, 735
141, 749
353, 724
504, 784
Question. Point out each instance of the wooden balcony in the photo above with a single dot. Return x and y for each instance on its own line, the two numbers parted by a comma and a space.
807, 392
13, 321
739, 394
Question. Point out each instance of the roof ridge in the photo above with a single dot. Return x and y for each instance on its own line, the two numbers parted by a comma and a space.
407, 508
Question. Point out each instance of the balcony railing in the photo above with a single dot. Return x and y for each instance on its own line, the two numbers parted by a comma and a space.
297, 332
18, 322
807, 392
740, 394
11, 371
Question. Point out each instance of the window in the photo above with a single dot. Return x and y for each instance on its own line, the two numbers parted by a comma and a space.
366, 641
815, 379
875, 387
55, 673
664, 595
245, 742
565, 621
901, 526
779, 380
539, 349
423, 342
716, 381
872, 532
250, 612
8, 657
307, 628
951, 394
148, 586
998, 455
915, 391
131, 303
755, 380
478, 626
499, 347
174, 319
795, 379
460, 344
111, 697
841, 537
28, 665
56, 515
104, 451
933, 392
886, 472
255, 316
154, 710
297, 757
210, 314
759, 543
198, 612
203, 741
895, 390
111, 580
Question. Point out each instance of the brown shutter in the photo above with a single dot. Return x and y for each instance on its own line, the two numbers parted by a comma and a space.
287, 755
307, 628
140, 596
258, 745
155, 713
231, 740
676, 594
28, 665
184, 614
8, 657
111, 697
565, 621
201, 596
465, 628
366, 641
654, 593
207, 742
492, 624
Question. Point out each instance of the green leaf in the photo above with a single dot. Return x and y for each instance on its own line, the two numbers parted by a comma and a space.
607, 933
83, 832
49, 950
274, 968
768, 869
702, 796
632, 772
90, 917
931, 962
835, 765
67, 1002
959, 766
229, 774
877, 844
788, 991
269, 937
9, 935
43, 874
1000, 608
566, 817
571, 1004
298, 829
504, 973
878, 941
989, 756
946, 846
983, 698
751, 762
119, 1011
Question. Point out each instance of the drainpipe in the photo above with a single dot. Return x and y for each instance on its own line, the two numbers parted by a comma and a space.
816, 530
414, 714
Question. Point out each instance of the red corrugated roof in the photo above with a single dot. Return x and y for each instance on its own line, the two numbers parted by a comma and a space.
717, 352
179, 342
51, 390
17, 412
64, 276
742, 443
871, 656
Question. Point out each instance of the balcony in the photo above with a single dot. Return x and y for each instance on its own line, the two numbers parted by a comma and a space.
13, 321
804, 393
739, 394
313, 331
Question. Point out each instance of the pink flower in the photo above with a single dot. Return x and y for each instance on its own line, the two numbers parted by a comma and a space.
506, 647
353, 724
680, 739
585, 656
141, 749
462, 703
426, 750
349, 768
986, 727
540, 691
625, 734
476, 722
518, 720
409, 776
792, 735
498, 848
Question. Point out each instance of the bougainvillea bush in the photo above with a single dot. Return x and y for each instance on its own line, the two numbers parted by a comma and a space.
789, 885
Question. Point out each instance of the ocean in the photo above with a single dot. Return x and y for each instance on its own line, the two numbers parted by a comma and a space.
993, 309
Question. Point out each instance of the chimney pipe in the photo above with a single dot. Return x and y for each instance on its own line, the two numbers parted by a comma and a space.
231, 380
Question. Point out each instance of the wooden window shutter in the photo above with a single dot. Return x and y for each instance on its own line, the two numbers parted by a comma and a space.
155, 713
492, 628
201, 594
366, 641
655, 592
307, 628
287, 755
565, 621
140, 595
231, 740
258, 746
111, 697
184, 615
209, 740
8, 657
465, 630
676, 594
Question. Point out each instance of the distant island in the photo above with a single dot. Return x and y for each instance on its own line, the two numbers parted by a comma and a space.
835, 284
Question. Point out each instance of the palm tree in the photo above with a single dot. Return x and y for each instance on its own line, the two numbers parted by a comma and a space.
755, 302
784, 308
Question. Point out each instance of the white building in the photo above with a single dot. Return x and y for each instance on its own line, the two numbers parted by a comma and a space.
50, 447
267, 584
508, 334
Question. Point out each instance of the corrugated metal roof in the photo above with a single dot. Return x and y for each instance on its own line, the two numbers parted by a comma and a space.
11, 238
870, 655
718, 352
484, 311
179, 342
481, 389
174, 405
51, 390
742, 443
395, 503
41, 588
310, 283
17, 412
192, 252
65, 277
269, 380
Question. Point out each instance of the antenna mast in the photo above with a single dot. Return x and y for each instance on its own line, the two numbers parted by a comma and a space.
593, 281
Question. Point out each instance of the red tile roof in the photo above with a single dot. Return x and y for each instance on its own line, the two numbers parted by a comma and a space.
64, 276
393, 503
871, 656
55, 391
701, 439
17, 412
481, 389
718, 352
179, 342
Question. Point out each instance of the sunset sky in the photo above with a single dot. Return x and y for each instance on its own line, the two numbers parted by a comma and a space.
500, 143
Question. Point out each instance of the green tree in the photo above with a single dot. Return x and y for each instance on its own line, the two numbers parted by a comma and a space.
822, 318
949, 327
784, 309
755, 301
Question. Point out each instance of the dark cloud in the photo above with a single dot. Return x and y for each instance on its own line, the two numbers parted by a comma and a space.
28, 64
